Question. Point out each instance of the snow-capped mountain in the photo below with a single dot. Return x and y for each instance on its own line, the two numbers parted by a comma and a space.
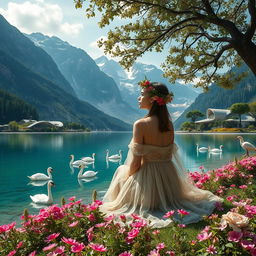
88, 81
127, 82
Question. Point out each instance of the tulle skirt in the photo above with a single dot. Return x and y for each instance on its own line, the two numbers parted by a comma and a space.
154, 190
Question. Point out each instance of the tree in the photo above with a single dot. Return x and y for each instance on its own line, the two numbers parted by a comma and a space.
252, 111
13, 126
194, 114
203, 35
240, 109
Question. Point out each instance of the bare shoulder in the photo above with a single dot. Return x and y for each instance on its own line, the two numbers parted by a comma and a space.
139, 123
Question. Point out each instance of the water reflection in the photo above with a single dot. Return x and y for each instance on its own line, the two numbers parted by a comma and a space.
38, 183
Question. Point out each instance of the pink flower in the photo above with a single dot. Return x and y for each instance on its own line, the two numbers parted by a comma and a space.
78, 247
211, 249
91, 217
133, 233
172, 253
139, 223
154, 253
11, 253
201, 167
7, 227
253, 252
52, 237
243, 186
69, 241
59, 250
160, 246
126, 254
32, 253
248, 245
181, 225
98, 247
204, 236
123, 218
234, 236
110, 217
156, 232
182, 212
169, 214
79, 215
49, 247
135, 216
73, 198
19, 244
73, 224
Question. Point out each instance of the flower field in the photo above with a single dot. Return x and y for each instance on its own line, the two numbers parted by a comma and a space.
78, 229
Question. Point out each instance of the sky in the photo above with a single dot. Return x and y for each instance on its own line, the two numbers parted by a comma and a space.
60, 18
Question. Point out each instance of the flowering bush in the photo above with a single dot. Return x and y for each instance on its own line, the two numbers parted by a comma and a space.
78, 229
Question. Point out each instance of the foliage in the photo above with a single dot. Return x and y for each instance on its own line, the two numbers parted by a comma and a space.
13, 126
194, 114
13, 108
252, 110
78, 229
188, 126
240, 109
74, 126
203, 36
221, 98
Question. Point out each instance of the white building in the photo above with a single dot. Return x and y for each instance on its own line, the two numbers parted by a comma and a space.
214, 115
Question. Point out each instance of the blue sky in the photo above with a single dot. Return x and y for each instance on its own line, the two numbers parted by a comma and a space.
61, 19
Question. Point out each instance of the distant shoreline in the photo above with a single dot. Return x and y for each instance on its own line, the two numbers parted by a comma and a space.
86, 132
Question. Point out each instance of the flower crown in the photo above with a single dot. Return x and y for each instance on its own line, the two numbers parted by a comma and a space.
160, 98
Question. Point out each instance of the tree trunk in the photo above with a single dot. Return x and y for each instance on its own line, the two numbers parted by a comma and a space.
247, 51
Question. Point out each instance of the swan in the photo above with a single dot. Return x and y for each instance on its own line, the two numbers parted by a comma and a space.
87, 174
202, 149
117, 156
42, 176
42, 198
215, 150
247, 146
77, 162
89, 159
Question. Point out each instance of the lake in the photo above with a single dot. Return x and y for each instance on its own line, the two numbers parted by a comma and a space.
22, 155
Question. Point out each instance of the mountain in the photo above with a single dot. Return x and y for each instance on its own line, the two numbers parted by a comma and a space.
51, 102
28, 72
88, 81
14, 43
217, 97
127, 82
12, 108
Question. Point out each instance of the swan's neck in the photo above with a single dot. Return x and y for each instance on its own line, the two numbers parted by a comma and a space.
72, 159
80, 173
49, 193
93, 156
49, 174
107, 154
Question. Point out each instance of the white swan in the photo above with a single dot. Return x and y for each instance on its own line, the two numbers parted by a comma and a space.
215, 150
202, 149
42, 198
87, 174
247, 146
75, 163
42, 176
113, 157
89, 159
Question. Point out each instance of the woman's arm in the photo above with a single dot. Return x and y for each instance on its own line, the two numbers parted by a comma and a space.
137, 138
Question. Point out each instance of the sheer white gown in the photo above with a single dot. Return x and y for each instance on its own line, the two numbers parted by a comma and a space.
160, 185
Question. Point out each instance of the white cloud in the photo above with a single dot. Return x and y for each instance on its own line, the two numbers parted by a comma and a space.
39, 16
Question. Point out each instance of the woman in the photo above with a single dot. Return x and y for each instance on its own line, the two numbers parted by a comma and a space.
153, 180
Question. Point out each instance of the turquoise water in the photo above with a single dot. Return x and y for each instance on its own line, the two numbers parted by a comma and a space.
25, 154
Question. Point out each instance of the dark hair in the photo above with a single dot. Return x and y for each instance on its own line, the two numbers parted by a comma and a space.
160, 111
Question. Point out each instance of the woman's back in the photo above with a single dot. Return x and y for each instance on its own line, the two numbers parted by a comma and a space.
152, 135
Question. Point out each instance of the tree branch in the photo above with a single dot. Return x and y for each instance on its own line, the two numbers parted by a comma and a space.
222, 50
252, 27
